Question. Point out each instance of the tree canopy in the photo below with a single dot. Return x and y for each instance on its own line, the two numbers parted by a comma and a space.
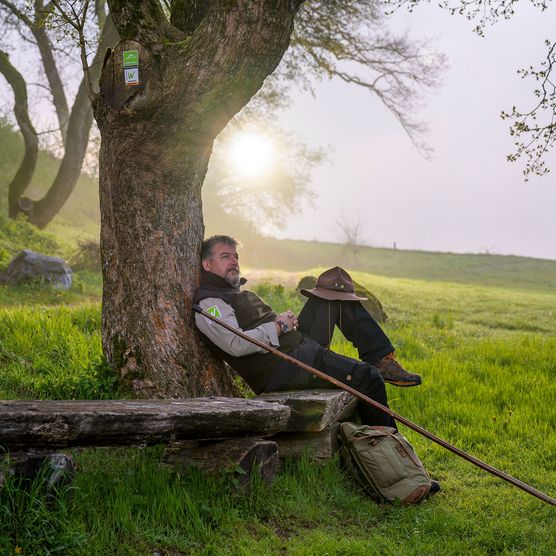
347, 39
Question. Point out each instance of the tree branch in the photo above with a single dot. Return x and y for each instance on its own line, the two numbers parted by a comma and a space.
348, 39
77, 21
539, 138
226, 59
51, 69
537, 125
487, 12
23, 176
79, 126
36, 27
17, 12
143, 21
100, 12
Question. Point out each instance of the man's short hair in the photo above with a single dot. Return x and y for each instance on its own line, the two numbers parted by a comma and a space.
209, 243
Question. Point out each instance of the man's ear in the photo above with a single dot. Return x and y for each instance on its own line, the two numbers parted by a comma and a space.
205, 264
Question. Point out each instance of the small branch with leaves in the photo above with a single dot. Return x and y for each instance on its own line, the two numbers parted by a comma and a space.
350, 40
534, 130
537, 126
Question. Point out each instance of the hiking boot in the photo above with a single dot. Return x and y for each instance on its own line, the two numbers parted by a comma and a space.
393, 373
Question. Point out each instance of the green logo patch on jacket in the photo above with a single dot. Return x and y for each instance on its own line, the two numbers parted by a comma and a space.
214, 311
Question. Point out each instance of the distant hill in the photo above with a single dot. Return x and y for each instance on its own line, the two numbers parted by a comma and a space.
506, 271
80, 220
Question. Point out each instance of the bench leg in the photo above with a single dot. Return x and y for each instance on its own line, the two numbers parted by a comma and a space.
57, 470
245, 454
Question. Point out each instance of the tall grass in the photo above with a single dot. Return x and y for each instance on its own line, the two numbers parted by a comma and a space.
34, 520
488, 361
53, 353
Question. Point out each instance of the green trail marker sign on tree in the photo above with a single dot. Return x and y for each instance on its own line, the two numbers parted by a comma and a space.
131, 58
131, 67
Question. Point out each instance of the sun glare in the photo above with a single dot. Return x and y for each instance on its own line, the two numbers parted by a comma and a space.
251, 154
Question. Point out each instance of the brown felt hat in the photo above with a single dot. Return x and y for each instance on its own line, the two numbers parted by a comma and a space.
334, 284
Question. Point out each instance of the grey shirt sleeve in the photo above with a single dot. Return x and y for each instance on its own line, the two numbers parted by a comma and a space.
225, 339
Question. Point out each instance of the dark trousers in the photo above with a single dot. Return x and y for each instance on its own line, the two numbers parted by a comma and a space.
316, 323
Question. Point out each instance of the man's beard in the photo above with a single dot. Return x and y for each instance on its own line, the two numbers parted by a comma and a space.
234, 277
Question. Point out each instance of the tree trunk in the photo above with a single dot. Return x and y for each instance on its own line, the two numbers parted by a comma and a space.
54, 81
24, 174
151, 229
196, 71
42, 211
74, 126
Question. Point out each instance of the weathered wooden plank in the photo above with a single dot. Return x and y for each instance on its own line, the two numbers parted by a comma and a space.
313, 410
319, 446
240, 455
55, 424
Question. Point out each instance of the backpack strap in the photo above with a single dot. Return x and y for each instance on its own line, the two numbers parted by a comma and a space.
411, 454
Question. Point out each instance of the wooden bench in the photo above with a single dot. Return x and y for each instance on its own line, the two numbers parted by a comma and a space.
311, 430
209, 433
57, 424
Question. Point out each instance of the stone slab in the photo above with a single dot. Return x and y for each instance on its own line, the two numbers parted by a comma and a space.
318, 446
313, 410
241, 456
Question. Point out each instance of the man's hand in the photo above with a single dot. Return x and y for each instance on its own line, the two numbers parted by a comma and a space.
289, 319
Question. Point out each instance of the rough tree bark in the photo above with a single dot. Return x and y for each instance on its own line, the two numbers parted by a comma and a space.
196, 71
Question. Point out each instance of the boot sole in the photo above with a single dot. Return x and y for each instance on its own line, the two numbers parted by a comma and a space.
401, 384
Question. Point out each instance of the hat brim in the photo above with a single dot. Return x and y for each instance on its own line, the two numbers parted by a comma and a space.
332, 295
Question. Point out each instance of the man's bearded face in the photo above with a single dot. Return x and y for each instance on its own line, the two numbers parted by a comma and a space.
224, 262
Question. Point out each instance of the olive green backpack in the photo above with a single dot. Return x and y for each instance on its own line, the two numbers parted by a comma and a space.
383, 463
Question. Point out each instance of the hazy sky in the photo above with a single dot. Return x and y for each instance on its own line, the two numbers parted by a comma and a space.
467, 198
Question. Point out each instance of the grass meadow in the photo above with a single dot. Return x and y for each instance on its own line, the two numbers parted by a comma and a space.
487, 355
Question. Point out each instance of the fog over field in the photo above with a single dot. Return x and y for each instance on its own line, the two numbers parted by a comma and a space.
467, 198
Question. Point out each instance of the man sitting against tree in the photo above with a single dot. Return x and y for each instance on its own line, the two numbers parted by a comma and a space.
306, 337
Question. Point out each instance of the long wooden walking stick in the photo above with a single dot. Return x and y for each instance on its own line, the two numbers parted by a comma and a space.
399, 418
